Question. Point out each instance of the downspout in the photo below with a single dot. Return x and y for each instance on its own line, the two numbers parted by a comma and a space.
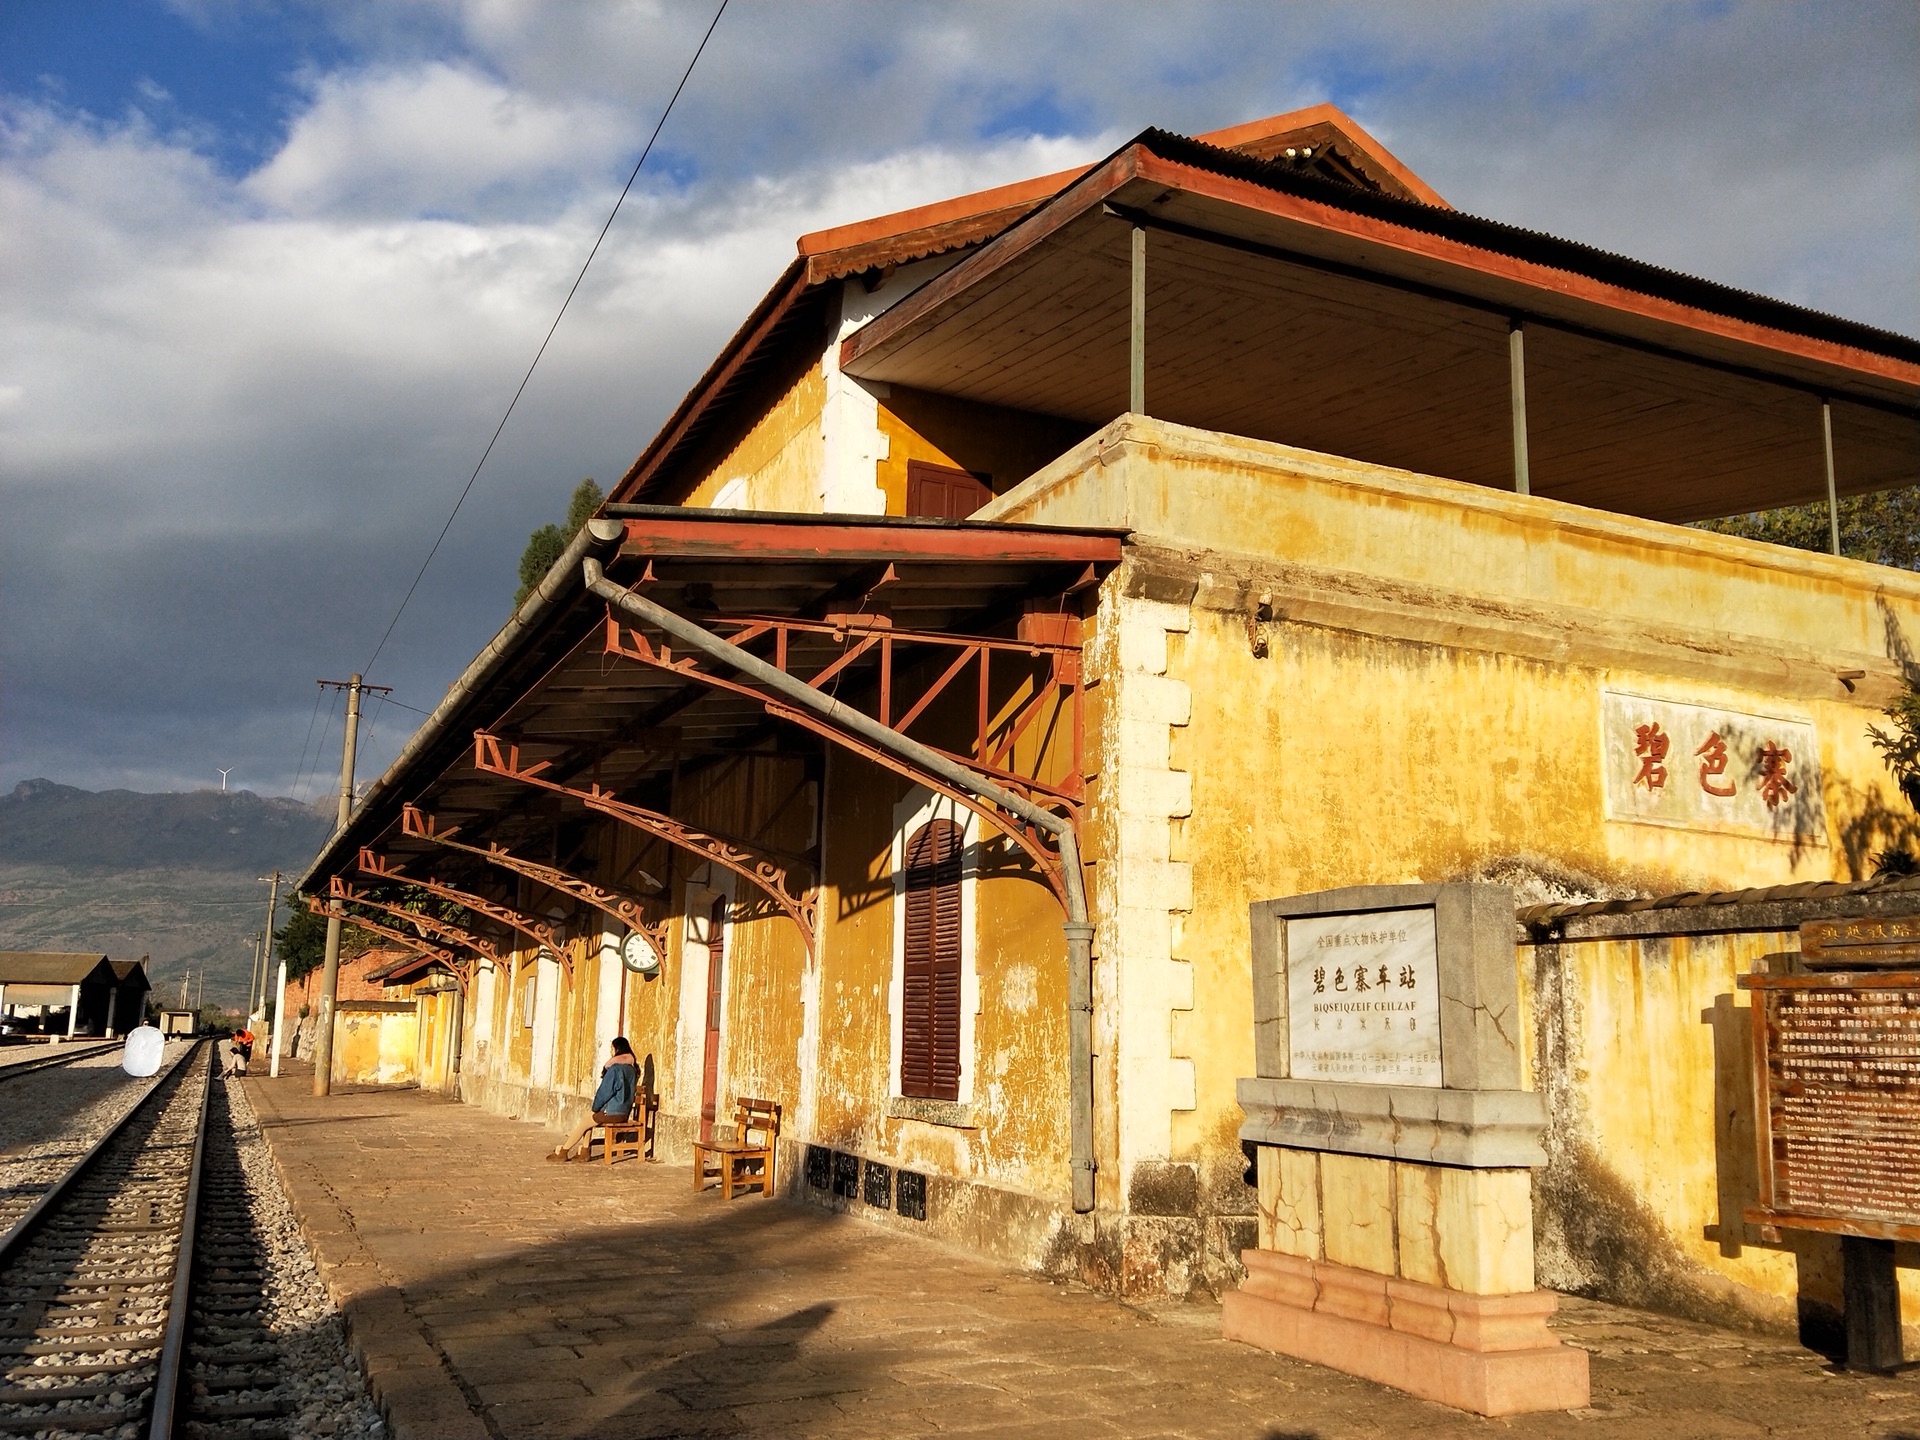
1079, 931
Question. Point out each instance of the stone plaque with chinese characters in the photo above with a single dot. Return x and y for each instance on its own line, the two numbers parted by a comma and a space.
1363, 997
1665, 763
1839, 1129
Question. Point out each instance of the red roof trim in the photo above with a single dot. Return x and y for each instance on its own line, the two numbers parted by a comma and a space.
806, 537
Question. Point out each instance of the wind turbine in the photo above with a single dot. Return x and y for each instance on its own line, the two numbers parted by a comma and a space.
223, 777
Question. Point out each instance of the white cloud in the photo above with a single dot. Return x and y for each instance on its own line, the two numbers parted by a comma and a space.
435, 139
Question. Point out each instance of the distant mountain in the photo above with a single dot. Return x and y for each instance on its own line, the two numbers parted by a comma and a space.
175, 877
43, 823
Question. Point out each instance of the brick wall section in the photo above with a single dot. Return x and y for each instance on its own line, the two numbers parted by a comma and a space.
302, 995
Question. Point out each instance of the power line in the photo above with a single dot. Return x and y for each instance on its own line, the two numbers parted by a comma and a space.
434, 549
301, 769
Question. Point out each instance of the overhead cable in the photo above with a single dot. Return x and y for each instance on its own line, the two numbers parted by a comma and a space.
434, 549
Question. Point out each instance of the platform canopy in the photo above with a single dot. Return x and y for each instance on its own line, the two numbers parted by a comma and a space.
1284, 306
853, 604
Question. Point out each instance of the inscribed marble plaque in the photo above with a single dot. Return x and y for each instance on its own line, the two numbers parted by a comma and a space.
1665, 763
1363, 997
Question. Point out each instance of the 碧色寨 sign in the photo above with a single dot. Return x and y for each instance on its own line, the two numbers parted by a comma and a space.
1363, 997
1666, 763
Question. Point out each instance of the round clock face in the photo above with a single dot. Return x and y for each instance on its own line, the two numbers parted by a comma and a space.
638, 955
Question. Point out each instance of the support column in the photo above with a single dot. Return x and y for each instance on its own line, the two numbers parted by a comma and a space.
73, 1012
113, 1009
1517, 375
1137, 327
1833, 498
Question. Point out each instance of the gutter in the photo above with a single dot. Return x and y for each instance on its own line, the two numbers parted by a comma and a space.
1079, 931
533, 610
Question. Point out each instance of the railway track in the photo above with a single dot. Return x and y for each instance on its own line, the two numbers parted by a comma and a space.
14, 1069
131, 1296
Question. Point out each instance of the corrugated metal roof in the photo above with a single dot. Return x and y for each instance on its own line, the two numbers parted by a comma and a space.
1535, 246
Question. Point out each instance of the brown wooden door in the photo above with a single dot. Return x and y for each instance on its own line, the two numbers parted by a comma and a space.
716, 998
930, 992
944, 492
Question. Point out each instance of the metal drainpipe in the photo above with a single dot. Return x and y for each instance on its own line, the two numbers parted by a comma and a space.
1079, 931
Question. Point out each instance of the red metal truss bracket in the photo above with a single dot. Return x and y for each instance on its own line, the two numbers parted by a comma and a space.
450, 934
626, 641
630, 910
756, 868
462, 970
536, 930
996, 732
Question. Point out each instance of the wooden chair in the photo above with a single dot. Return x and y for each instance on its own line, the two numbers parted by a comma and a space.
744, 1162
634, 1137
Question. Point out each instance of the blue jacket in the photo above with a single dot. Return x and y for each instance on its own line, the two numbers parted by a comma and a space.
617, 1085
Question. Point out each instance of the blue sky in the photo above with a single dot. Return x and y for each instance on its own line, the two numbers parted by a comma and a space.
275, 268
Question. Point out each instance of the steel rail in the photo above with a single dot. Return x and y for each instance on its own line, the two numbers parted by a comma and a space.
33, 1067
24, 1226
173, 1348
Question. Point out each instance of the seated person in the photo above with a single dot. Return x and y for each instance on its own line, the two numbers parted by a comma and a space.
612, 1102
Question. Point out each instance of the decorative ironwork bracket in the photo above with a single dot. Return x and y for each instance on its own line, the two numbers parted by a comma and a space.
460, 969
995, 738
538, 931
632, 644
448, 933
627, 909
758, 870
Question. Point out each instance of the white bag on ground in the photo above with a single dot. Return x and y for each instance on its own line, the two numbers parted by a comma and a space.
144, 1049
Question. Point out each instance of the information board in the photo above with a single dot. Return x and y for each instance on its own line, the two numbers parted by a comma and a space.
1838, 1059
1363, 997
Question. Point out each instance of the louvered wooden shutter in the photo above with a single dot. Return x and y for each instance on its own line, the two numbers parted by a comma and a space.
930, 999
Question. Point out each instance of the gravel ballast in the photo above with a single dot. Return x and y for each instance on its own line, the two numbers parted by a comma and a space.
320, 1377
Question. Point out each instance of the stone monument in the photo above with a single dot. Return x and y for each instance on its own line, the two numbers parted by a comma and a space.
1395, 1149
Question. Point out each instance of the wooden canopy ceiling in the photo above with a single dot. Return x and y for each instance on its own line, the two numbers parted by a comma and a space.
1264, 321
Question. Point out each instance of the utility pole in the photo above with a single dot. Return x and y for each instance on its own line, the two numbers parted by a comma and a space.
330, 971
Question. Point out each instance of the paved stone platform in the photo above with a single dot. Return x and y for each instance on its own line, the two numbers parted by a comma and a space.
493, 1295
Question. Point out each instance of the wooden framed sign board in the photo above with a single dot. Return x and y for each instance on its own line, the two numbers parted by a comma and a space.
1837, 1102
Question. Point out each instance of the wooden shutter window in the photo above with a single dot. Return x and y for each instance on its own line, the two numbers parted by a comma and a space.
944, 492
930, 991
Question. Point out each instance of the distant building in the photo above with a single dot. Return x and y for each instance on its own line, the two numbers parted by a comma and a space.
56, 993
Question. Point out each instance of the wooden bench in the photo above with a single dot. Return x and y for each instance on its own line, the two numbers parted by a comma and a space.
744, 1162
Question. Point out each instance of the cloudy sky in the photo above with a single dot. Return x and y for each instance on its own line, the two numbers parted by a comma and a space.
273, 270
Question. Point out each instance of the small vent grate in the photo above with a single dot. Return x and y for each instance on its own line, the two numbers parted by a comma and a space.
910, 1195
846, 1176
878, 1184
819, 1167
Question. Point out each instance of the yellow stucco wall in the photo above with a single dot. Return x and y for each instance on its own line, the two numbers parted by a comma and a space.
779, 457
1005, 445
374, 1047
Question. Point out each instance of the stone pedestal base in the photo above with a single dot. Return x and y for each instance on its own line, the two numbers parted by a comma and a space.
1492, 1354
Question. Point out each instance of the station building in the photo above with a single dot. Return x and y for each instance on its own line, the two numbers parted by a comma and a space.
1040, 578
59, 993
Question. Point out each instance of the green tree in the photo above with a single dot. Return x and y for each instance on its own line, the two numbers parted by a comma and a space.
1899, 746
545, 544
1883, 527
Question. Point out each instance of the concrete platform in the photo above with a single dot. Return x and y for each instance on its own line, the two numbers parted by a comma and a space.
493, 1295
